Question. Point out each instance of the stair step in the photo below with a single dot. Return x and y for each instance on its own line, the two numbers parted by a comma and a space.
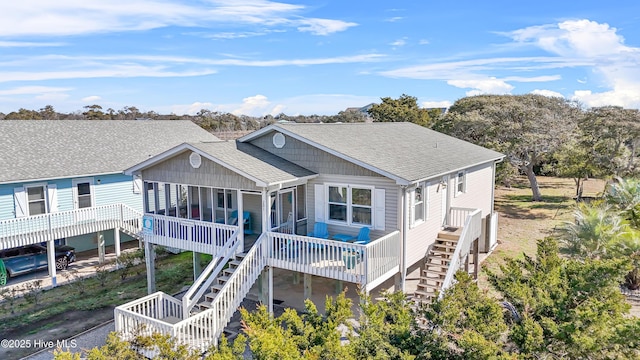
447, 252
210, 296
425, 294
217, 287
234, 263
445, 245
433, 272
426, 287
436, 267
229, 271
241, 256
424, 281
204, 305
223, 279
450, 234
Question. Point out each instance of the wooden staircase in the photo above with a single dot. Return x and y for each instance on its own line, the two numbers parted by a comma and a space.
218, 283
436, 265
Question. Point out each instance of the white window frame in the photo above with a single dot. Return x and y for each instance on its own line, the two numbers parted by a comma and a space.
463, 175
76, 198
46, 197
425, 204
349, 204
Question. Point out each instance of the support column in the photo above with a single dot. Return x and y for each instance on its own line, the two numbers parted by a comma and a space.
197, 268
150, 260
51, 256
296, 278
240, 221
263, 287
476, 258
270, 280
339, 287
397, 281
307, 286
266, 209
116, 241
100, 237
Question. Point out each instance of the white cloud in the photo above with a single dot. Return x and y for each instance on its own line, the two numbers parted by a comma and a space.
394, 19
399, 42
192, 109
436, 104
482, 86
547, 93
424, 42
91, 99
31, 90
8, 44
258, 104
78, 17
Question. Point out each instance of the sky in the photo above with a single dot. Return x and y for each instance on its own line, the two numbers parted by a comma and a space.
260, 57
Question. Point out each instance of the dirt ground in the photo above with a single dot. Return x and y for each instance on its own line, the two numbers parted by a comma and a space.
59, 327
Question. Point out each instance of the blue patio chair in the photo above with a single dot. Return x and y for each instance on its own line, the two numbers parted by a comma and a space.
246, 220
321, 231
361, 238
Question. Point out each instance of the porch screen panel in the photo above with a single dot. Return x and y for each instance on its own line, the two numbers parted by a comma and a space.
172, 199
162, 199
206, 198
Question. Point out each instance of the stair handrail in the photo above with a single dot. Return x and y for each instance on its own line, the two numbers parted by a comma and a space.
209, 274
128, 213
468, 234
227, 301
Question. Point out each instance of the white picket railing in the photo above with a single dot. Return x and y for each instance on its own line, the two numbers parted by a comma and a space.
203, 329
194, 235
471, 230
153, 313
382, 259
209, 274
458, 216
51, 226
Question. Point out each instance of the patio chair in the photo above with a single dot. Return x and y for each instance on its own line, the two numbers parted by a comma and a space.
361, 238
246, 220
321, 231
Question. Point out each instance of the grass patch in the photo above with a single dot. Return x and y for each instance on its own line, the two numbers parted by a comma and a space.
173, 272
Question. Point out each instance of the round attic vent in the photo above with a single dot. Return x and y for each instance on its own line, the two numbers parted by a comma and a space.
278, 140
195, 160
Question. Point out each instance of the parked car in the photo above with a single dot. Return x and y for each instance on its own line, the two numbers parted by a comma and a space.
25, 259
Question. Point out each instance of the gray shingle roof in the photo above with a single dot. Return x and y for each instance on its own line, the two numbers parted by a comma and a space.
45, 149
253, 161
408, 151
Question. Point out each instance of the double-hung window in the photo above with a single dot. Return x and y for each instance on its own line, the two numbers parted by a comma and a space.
461, 182
419, 204
350, 204
37, 200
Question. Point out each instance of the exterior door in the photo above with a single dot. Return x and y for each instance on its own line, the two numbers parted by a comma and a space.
286, 211
444, 197
83, 199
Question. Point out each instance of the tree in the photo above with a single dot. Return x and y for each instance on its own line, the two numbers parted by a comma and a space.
568, 308
574, 160
23, 114
405, 108
93, 112
526, 128
48, 113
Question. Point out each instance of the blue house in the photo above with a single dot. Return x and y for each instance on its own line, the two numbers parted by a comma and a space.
62, 182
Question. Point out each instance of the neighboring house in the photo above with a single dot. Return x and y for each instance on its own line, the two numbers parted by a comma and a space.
62, 181
305, 194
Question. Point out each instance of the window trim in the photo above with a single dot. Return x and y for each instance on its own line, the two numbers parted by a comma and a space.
464, 182
349, 204
425, 204
76, 195
45, 192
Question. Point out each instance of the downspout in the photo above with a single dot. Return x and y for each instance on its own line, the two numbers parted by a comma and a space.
405, 220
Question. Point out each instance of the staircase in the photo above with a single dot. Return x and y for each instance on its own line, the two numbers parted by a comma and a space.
436, 265
219, 282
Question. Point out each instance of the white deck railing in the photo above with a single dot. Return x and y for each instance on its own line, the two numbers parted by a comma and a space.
471, 230
203, 329
368, 265
458, 216
361, 264
153, 313
194, 235
46, 227
209, 274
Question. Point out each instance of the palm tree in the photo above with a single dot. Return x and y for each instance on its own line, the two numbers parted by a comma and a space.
624, 196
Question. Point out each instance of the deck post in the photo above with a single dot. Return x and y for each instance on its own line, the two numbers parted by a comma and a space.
270, 280
197, 268
100, 240
476, 258
51, 256
116, 241
339, 287
150, 259
265, 210
307, 286
263, 287
296, 278
240, 221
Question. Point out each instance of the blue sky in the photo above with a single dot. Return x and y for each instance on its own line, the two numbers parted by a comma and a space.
263, 57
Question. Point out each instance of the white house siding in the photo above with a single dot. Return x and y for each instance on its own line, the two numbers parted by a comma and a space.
420, 236
391, 202
311, 158
478, 192
177, 170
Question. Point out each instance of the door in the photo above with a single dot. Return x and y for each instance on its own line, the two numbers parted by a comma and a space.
286, 211
83, 199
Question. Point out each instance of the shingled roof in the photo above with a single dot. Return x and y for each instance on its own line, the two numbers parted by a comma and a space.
49, 149
403, 151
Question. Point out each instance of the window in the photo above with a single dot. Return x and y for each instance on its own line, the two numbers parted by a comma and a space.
350, 204
37, 201
84, 195
419, 204
461, 183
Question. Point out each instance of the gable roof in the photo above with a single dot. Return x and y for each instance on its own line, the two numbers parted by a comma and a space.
402, 151
50, 149
244, 159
